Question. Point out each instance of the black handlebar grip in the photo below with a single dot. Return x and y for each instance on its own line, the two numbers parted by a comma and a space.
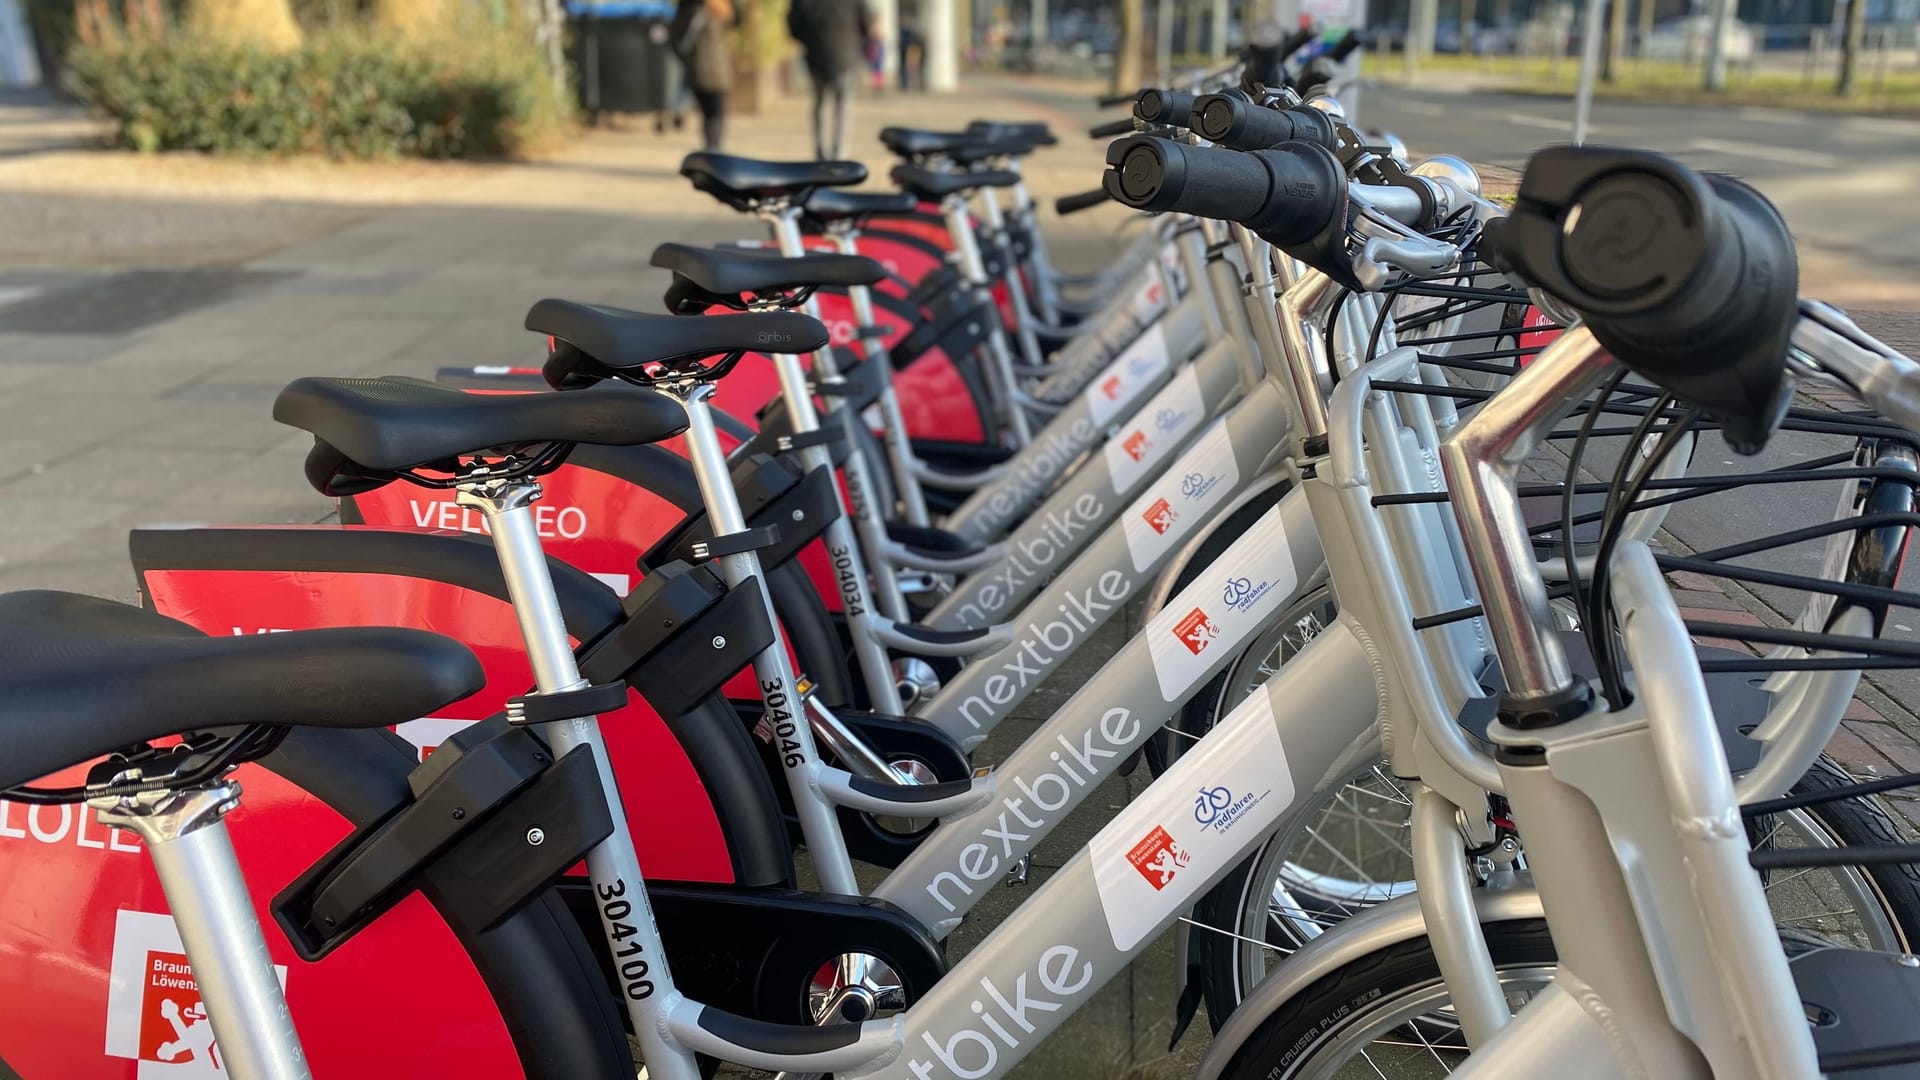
1109, 101
1164, 107
1109, 130
1287, 193
1689, 280
1073, 204
1231, 120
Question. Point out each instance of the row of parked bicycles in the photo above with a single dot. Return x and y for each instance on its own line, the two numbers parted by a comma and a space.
632, 722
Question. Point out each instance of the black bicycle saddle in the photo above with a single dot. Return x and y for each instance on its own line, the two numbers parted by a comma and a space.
741, 270
916, 143
934, 186
610, 343
366, 432
743, 183
828, 206
81, 677
703, 277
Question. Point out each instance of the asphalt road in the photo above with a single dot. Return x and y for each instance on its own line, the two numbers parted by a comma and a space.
1846, 184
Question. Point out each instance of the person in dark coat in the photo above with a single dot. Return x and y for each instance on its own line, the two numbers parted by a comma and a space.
833, 35
698, 36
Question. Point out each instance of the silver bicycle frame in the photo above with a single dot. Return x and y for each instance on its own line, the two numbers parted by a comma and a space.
1142, 436
186, 838
1098, 386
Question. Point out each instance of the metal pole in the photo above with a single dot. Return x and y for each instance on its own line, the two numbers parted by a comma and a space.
1589, 60
1717, 45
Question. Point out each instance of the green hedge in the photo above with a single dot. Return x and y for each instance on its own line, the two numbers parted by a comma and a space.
342, 94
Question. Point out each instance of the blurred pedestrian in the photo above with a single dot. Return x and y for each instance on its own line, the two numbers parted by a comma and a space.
833, 35
699, 38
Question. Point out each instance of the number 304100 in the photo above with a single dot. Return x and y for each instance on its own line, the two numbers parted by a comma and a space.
627, 951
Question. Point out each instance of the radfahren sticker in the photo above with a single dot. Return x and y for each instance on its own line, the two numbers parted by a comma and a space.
1153, 432
1166, 513
155, 1014
1223, 606
1202, 816
1128, 376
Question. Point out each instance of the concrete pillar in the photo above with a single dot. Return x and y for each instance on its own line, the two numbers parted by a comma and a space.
942, 64
886, 27
1220, 16
1037, 23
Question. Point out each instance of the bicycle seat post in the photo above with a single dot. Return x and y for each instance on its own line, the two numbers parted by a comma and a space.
779, 688
613, 864
186, 837
899, 444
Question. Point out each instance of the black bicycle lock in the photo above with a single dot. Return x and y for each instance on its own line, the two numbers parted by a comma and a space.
493, 821
1689, 280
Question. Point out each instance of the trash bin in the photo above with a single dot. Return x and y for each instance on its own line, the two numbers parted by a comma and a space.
620, 49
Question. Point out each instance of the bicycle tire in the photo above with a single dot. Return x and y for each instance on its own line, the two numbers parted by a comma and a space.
1283, 1043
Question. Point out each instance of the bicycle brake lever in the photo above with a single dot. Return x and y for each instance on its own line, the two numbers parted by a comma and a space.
1417, 256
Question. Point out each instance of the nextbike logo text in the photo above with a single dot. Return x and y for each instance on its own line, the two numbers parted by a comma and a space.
970, 1052
1029, 556
1044, 461
1044, 643
1031, 803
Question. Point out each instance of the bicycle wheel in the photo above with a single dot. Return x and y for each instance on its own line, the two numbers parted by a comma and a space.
1348, 848
1387, 1013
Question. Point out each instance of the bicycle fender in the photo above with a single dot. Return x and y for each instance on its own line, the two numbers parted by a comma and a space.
1379, 927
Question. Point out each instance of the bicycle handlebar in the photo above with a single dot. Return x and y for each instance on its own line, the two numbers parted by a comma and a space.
1164, 107
1689, 280
1109, 130
1109, 101
1232, 120
1288, 193
1073, 204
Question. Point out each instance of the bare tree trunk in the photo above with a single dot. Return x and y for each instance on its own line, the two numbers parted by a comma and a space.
265, 23
1850, 46
1126, 58
92, 21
